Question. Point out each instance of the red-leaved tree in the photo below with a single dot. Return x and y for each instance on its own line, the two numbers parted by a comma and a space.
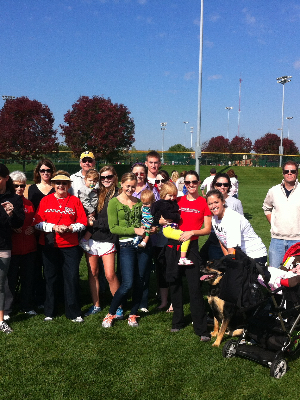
267, 144
217, 144
98, 125
289, 147
26, 128
239, 144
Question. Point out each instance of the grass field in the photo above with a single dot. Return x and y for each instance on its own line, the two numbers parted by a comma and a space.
63, 360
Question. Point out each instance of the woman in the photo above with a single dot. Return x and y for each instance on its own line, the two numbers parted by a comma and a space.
233, 229
234, 191
11, 217
42, 187
161, 178
174, 176
22, 264
124, 219
60, 217
194, 213
103, 242
140, 171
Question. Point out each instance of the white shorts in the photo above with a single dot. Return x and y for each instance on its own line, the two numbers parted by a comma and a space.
100, 248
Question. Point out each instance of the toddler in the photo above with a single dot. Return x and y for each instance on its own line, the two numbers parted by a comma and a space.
168, 208
147, 198
89, 199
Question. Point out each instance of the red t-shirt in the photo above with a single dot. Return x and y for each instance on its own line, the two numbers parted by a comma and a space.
192, 214
65, 211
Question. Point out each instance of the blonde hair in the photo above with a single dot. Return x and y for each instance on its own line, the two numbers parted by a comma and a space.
174, 176
128, 176
93, 174
168, 188
147, 196
106, 193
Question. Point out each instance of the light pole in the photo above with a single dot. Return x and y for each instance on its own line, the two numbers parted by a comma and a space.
185, 122
198, 145
289, 118
283, 80
191, 132
228, 109
163, 128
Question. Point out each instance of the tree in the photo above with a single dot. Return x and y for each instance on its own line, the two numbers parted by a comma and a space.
217, 144
98, 125
289, 147
239, 144
26, 128
267, 144
179, 148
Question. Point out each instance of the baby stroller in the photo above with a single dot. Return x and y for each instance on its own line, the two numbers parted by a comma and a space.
272, 332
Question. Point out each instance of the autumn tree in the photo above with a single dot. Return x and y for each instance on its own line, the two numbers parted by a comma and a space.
98, 125
267, 144
239, 144
26, 128
217, 144
289, 147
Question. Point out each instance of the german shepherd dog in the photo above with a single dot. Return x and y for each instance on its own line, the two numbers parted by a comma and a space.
224, 312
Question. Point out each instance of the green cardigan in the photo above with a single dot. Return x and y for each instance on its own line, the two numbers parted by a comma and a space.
122, 220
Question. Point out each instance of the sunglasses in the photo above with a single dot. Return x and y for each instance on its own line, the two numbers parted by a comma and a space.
219, 184
62, 183
292, 171
191, 182
46, 171
139, 173
108, 177
87, 160
20, 186
157, 181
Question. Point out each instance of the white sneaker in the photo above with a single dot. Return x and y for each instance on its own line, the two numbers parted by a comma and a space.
132, 320
144, 309
78, 319
108, 321
48, 319
185, 261
6, 317
5, 328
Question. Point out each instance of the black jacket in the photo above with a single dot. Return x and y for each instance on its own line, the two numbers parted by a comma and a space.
169, 209
7, 223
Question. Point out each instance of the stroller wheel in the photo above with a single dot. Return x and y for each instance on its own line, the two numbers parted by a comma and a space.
278, 368
229, 349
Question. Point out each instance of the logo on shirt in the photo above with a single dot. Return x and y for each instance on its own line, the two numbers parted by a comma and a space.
67, 210
191, 210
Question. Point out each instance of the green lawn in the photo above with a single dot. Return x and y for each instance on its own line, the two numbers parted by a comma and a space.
63, 360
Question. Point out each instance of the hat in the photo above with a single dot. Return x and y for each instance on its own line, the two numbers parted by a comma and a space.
61, 178
87, 154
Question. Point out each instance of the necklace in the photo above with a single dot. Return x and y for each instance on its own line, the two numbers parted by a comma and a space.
58, 199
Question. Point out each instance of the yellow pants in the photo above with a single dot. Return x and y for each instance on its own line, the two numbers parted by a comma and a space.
175, 234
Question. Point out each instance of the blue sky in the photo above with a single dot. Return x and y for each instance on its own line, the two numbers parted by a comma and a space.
145, 54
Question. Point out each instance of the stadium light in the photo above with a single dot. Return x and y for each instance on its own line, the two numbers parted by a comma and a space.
185, 122
283, 80
228, 109
163, 128
289, 118
8, 98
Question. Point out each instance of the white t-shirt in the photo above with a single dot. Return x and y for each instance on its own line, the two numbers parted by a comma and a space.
207, 183
235, 230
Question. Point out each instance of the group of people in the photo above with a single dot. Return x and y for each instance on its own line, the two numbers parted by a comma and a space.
43, 238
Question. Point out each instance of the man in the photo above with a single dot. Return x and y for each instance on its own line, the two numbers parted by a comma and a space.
208, 181
153, 164
282, 210
87, 161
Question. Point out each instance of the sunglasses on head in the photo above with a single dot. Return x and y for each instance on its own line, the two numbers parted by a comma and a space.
292, 171
46, 171
23, 186
108, 177
191, 182
64, 183
157, 181
219, 184
87, 160
139, 173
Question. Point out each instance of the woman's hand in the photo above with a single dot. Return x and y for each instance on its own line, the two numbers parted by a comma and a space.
91, 220
139, 231
61, 228
29, 230
18, 230
163, 221
8, 207
186, 236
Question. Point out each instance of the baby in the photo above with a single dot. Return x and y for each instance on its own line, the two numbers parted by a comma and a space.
147, 198
168, 208
89, 199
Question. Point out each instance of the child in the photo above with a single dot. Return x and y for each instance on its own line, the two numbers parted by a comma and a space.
89, 199
147, 198
168, 208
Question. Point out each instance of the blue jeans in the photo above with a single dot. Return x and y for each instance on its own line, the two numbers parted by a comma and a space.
277, 250
133, 265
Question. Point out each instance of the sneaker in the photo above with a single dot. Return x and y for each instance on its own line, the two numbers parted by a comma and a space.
84, 244
108, 321
142, 244
119, 313
144, 309
185, 261
78, 319
30, 312
93, 310
132, 320
205, 338
5, 328
48, 319
6, 317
